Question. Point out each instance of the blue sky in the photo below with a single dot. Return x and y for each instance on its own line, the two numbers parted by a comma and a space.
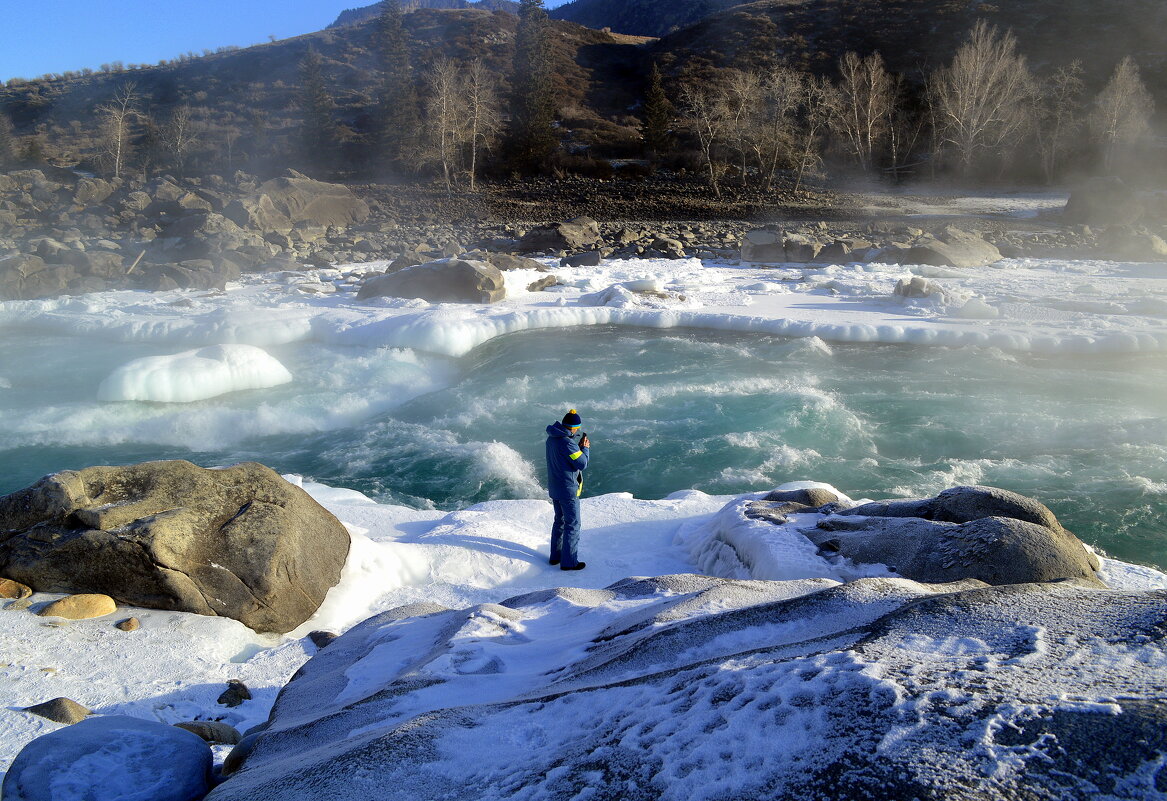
62, 35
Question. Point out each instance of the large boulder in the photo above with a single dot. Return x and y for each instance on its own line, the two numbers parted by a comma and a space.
1104, 201
14, 272
446, 281
768, 246
995, 550
575, 234
983, 533
239, 542
1121, 242
91, 191
280, 203
952, 248
108, 757
259, 213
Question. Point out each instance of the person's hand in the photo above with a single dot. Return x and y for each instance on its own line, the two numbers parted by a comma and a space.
585, 442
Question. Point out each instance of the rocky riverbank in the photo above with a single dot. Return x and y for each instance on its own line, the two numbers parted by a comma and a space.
67, 233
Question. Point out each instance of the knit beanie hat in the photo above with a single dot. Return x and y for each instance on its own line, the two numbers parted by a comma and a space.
572, 419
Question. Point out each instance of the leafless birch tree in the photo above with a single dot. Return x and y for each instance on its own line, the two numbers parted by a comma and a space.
1122, 112
445, 118
866, 97
982, 99
117, 118
820, 103
180, 134
703, 104
462, 116
483, 118
781, 95
1059, 116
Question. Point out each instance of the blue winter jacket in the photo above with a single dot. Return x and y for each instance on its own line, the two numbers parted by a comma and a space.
566, 462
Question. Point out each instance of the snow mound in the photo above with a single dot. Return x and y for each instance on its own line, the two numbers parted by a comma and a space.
194, 375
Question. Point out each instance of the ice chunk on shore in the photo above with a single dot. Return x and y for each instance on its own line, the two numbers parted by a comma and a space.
194, 375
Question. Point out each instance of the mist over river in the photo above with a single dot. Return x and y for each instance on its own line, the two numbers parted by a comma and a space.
721, 412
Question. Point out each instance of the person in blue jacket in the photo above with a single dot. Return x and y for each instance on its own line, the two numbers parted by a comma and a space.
566, 462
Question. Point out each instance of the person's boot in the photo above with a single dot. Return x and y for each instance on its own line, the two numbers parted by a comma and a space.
578, 566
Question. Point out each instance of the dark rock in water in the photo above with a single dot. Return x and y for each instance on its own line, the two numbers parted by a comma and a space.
112, 757
879, 688
60, 710
575, 234
212, 731
240, 542
452, 281
235, 694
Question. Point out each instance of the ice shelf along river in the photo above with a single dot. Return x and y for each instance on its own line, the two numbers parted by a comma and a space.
1043, 377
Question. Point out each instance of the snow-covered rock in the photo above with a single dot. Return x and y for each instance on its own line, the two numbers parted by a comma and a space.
111, 757
685, 687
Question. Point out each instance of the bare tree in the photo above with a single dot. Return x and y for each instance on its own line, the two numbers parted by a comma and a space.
905, 126
445, 118
982, 99
703, 104
744, 116
782, 93
483, 117
180, 135
866, 97
820, 104
117, 120
1059, 116
1122, 112
7, 142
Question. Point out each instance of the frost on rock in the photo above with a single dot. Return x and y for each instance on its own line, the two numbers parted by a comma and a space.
688, 687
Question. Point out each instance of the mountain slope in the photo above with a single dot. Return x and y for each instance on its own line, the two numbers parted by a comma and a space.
917, 36
351, 16
640, 17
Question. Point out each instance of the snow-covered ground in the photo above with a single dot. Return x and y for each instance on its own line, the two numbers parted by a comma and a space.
175, 666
